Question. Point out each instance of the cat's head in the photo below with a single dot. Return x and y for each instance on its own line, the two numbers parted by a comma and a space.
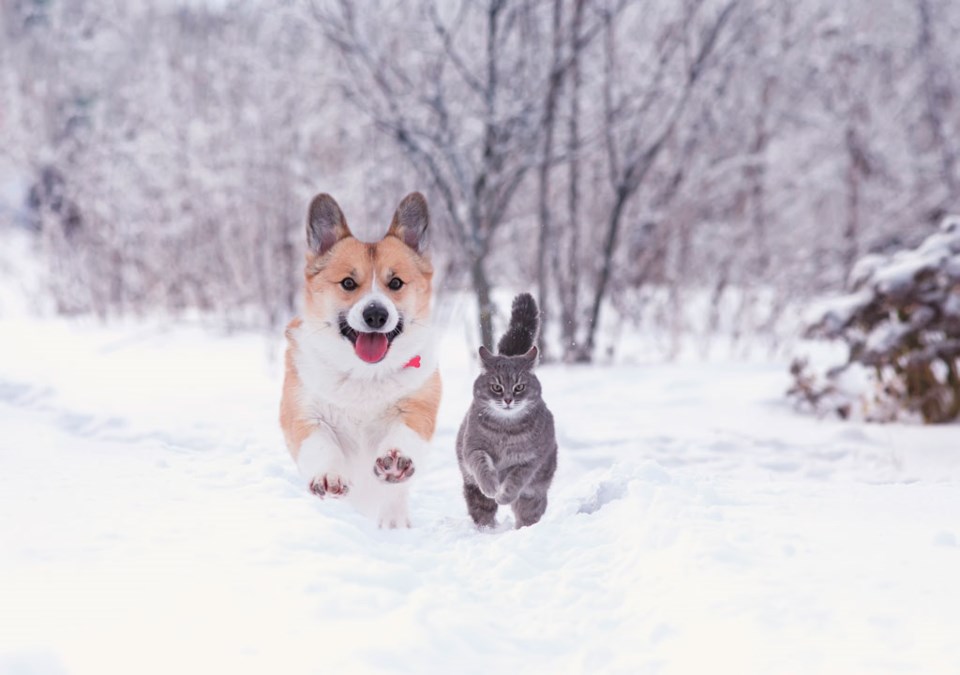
507, 384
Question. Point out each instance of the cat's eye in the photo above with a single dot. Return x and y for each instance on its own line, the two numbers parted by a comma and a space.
497, 389
348, 284
518, 388
395, 284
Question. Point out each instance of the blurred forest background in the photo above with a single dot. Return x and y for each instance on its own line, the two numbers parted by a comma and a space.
621, 158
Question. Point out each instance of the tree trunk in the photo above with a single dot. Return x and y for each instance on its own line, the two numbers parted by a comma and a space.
943, 142
757, 176
606, 266
549, 115
481, 288
851, 232
571, 289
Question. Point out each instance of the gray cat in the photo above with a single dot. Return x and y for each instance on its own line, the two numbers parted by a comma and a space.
506, 447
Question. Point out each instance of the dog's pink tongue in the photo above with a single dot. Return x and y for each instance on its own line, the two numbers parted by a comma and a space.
371, 347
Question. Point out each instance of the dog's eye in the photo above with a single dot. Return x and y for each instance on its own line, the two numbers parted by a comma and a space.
517, 389
395, 284
497, 389
348, 284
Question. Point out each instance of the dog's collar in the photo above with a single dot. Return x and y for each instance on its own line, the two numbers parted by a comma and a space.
413, 363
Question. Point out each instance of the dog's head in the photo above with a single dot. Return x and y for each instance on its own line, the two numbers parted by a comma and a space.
373, 299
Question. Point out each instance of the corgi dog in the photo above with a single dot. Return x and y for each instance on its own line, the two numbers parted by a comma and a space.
362, 387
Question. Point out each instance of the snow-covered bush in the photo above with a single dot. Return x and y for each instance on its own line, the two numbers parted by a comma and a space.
901, 323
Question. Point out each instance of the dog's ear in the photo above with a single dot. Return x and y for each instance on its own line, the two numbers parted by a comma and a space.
486, 357
325, 224
411, 221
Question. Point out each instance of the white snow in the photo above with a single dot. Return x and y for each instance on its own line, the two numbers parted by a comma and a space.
152, 522
939, 251
834, 313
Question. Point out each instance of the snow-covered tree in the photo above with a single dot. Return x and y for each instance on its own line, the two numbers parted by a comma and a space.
901, 322
465, 108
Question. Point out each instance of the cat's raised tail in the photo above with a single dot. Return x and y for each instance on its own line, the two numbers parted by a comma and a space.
521, 334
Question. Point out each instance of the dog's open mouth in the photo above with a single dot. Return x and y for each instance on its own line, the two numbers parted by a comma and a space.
370, 347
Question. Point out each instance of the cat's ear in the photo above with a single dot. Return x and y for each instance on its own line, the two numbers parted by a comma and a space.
529, 359
325, 224
411, 221
486, 357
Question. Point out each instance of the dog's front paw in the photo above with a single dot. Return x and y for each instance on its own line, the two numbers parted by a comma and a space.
329, 485
393, 467
394, 522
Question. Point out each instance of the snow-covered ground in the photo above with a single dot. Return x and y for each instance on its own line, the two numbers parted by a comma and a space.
152, 522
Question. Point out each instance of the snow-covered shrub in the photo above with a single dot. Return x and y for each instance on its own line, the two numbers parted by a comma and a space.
901, 323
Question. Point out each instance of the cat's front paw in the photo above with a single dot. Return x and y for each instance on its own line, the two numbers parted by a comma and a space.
329, 485
505, 496
393, 467
487, 483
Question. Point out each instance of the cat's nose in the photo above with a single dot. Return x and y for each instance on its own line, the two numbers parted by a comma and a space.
508, 400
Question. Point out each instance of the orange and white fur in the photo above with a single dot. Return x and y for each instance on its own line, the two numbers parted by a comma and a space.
362, 387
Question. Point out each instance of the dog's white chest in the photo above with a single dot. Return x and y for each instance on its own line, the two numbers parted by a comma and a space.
357, 408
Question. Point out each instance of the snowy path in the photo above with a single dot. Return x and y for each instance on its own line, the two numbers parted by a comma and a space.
151, 522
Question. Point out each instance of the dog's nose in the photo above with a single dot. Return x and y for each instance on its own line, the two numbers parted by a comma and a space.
375, 316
